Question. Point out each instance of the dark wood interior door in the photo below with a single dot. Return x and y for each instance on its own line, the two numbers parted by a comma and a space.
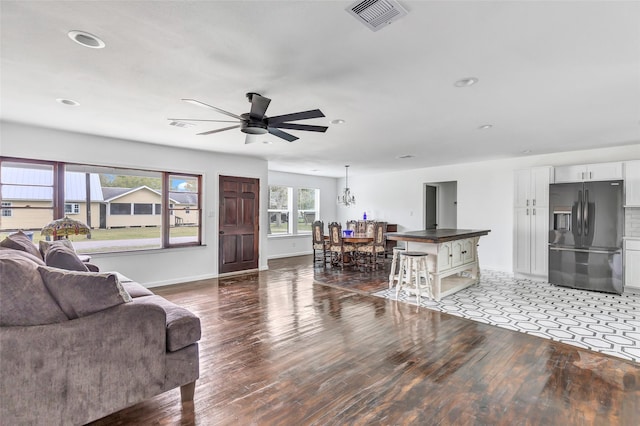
239, 225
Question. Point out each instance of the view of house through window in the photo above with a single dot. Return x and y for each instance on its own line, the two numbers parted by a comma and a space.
123, 207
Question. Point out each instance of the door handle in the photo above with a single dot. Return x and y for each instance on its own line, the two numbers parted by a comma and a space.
221, 232
579, 213
585, 214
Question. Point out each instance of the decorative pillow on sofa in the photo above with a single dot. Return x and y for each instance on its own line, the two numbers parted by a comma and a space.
24, 254
83, 293
44, 246
20, 241
60, 256
24, 299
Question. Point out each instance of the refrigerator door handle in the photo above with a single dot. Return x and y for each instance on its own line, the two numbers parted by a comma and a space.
579, 213
585, 213
584, 250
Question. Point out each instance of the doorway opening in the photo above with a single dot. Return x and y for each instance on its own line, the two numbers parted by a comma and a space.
441, 205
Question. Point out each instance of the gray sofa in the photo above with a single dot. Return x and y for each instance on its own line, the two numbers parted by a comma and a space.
76, 346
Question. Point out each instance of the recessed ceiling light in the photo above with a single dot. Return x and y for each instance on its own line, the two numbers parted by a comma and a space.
338, 121
485, 126
405, 156
466, 82
69, 102
86, 39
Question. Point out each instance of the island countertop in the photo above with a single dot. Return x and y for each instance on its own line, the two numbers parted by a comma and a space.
436, 235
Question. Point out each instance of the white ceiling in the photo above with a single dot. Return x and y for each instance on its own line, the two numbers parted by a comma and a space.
553, 76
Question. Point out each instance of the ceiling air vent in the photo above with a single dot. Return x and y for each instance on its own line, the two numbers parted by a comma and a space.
377, 14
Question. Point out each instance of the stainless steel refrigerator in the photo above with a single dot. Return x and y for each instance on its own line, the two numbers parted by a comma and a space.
586, 224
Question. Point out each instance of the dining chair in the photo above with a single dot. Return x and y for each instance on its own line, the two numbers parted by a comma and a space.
352, 225
376, 248
340, 251
320, 244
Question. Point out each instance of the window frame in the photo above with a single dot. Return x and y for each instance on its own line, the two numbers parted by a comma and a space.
58, 196
74, 208
6, 209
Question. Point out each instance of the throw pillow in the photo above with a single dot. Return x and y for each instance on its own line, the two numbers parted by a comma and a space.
24, 299
44, 246
20, 241
83, 293
59, 256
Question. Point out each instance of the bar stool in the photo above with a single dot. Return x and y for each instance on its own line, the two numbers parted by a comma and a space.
393, 276
413, 269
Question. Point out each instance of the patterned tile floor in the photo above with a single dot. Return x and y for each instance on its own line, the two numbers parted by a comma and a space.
606, 323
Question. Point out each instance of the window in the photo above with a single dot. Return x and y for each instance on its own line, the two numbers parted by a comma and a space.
120, 208
280, 203
6, 212
308, 200
143, 208
27, 187
184, 196
125, 208
71, 208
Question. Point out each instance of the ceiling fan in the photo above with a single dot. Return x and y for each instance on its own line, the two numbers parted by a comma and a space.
255, 122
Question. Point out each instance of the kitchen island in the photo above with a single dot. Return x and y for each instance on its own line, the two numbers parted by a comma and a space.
453, 256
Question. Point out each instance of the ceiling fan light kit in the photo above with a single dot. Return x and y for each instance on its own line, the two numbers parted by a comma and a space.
255, 122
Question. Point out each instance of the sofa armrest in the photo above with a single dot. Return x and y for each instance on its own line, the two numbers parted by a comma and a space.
83, 369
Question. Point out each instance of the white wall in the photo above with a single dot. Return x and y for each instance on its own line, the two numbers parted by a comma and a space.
484, 195
157, 267
296, 245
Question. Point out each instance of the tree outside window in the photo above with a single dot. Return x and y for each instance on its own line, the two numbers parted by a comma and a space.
280, 207
307, 208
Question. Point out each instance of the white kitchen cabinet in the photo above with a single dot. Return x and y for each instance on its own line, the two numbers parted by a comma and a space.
632, 264
531, 221
530, 251
588, 172
632, 183
532, 187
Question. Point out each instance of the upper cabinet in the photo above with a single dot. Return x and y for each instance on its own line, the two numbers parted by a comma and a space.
632, 183
588, 172
532, 187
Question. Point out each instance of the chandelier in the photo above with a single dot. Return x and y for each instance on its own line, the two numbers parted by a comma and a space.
346, 198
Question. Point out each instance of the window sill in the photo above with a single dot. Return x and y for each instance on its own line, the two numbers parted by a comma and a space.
276, 236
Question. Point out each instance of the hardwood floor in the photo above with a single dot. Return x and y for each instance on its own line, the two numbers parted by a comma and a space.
278, 349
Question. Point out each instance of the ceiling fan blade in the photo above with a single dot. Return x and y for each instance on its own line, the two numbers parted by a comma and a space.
295, 126
259, 105
221, 111
218, 130
197, 119
304, 115
284, 135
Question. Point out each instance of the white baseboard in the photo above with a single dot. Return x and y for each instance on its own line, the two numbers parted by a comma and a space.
280, 256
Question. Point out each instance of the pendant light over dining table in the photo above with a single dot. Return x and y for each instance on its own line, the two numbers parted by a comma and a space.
346, 199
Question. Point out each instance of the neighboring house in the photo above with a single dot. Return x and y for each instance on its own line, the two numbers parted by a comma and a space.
125, 207
111, 207
32, 188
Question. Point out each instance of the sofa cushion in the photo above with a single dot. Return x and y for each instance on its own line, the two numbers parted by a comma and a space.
23, 254
20, 241
60, 256
24, 299
44, 246
183, 327
136, 290
83, 293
